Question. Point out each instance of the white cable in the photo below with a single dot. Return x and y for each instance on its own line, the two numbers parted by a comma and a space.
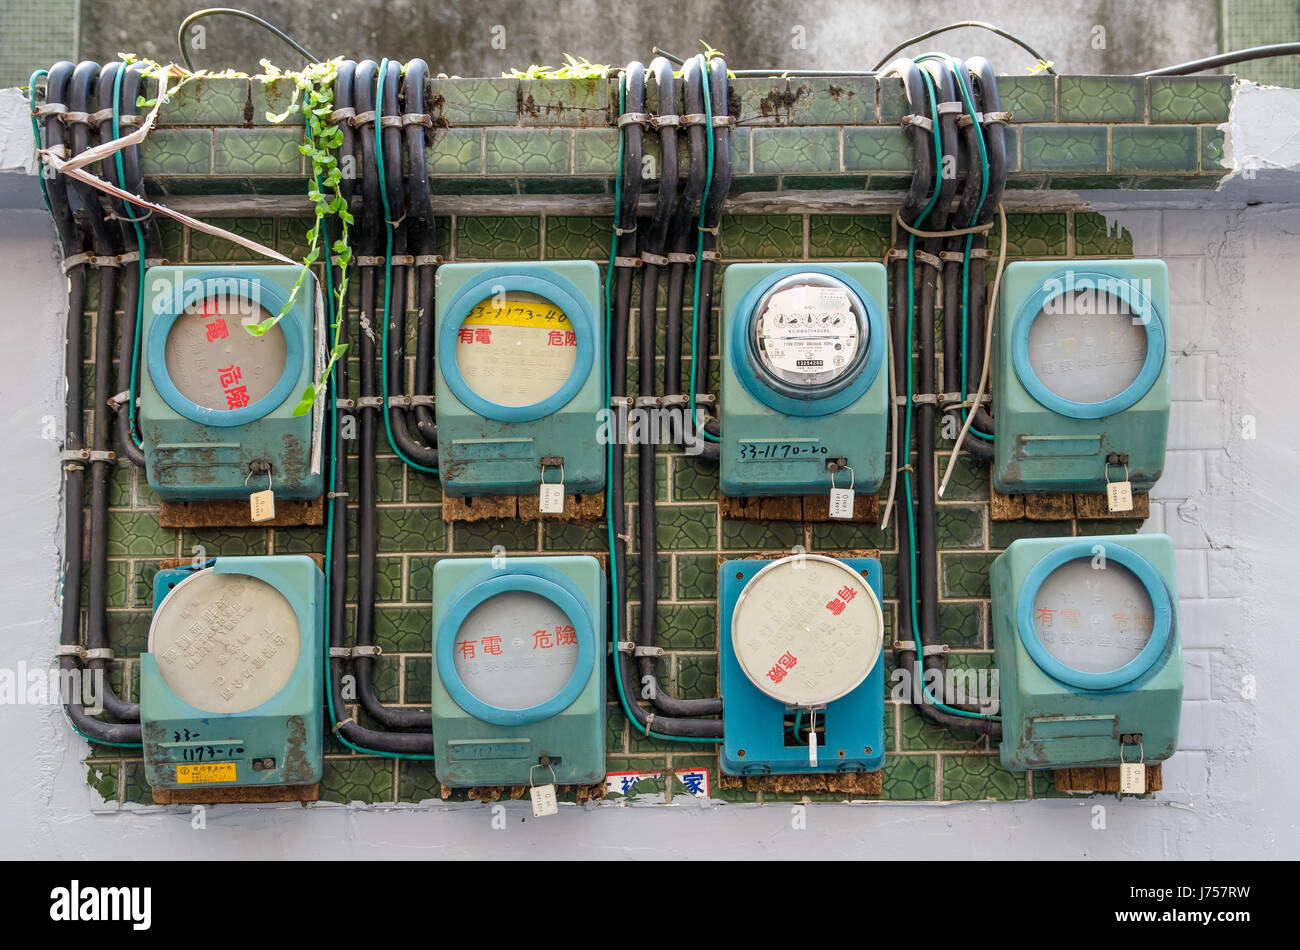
990, 315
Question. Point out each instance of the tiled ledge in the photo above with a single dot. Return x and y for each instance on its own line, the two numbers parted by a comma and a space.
509, 136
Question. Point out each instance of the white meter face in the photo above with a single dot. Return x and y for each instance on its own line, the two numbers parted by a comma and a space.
515, 650
1094, 620
216, 363
225, 643
807, 630
1087, 346
516, 350
808, 328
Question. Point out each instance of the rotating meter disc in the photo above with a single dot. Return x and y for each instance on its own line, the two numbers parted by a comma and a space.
807, 630
225, 643
516, 351
808, 330
217, 364
1093, 620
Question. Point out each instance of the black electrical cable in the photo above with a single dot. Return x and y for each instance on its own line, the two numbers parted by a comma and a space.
422, 222
243, 15
682, 230
963, 24
1226, 59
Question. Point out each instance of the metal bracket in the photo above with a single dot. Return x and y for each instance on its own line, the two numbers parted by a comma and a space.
370, 402
929, 649
657, 259
647, 651
627, 262
920, 121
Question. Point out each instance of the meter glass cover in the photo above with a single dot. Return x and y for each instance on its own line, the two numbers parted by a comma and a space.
225, 643
515, 650
217, 364
807, 630
1087, 346
516, 351
808, 328
1094, 620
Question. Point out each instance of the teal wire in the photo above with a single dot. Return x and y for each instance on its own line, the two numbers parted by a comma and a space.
699, 247
139, 243
36, 130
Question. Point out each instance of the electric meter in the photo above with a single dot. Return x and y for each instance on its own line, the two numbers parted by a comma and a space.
519, 671
216, 401
802, 673
804, 390
1081, 376
1086, 636
519, 383
230, 688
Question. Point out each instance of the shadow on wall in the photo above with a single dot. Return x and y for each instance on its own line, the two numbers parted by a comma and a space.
482, 39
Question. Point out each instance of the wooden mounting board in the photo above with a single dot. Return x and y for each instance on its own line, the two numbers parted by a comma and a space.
521, 507
235, 514
237, 795
806, 508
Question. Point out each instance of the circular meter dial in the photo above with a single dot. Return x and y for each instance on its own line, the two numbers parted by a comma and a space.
225, 643
807, 630
808, 330
515, 650
1087, 346
217, 364
516, 350
1094, 620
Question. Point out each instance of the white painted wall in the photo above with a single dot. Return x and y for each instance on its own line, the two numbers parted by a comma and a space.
1229, 502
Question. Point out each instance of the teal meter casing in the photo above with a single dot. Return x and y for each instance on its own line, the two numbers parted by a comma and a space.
1085, 631
805, 380
231, 687
216, 402
1081, 375
520, 380
519, 671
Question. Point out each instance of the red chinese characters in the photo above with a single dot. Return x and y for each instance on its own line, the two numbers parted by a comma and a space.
216, 330
236, 396
841, 600
561, 338
474, 335
782, 667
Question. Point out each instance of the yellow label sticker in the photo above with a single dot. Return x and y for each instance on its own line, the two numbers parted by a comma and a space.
515, 312
201, 773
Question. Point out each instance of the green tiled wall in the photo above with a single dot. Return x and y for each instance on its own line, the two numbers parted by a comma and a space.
924, 762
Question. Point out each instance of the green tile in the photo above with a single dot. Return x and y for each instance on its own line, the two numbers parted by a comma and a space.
683, 527
683, 626
417, 782
128, 631
1028, 98
893, 101
1033, 235
694, 480
419, 579
741, 148
960, 527
410, 530
473, 186
475, 101
1102, 98
480, 537
796, 150
177, 152
207, 247
573, 536
572, 238
217, 542
102, 777
455, 152
138, 534
1094, 237
852, 236
824, 182
1190, 98
1154, 148
763, 236
763, 101
595, 152
697, 677
877, 148
357, 779
978, 777
961, 624
838, 100
697, 577
1063, 148
779, 536
404, 629
418, 673
562, 186
135, 787
528, 151
1002, 533
918, 734
1213, 154
572, 102
208, 101
909, 778
274, 96
257, 152
502, 239
965, 575
829, 535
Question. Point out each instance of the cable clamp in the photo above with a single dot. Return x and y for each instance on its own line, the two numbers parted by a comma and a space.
896, 254
390, 122
927, 649
368, 260
70, 649
417, 118
710, 256
644, 401
675, 399
75, 118
75, 455
410, 401
680, 258
648, 651
103, 115
345, 113
621, 402
668, 120
428, 260
87, 258
964, 119
49, 108
980, 253
724, 121
361, 118
694, 118
953, 256
626, 646
621, 231
627, 262
370, 402
343, 724
97, 653
345, 404
118, 400
403, 260
997, 118
705, 399
947, 108
920, 121
371, 649
634, 118
130, 257
925, 399
336, 494
98, 455
900, 401
340, 653
657, 259
715, 230
58, 151
958, 401
925, 257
